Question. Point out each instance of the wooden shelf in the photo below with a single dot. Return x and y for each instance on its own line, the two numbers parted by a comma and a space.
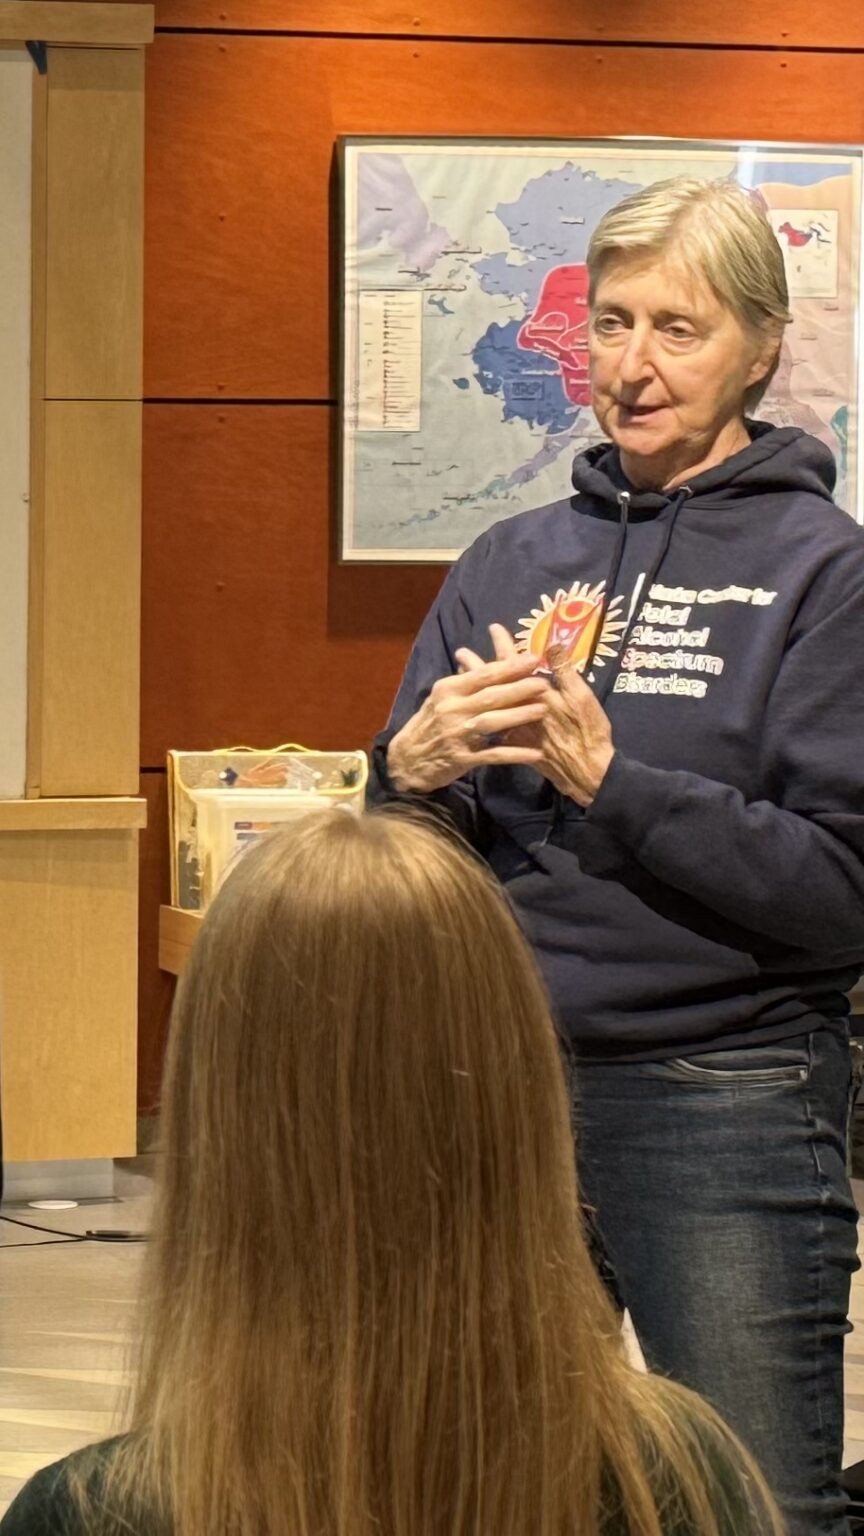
103, 813
62, 22
177, 933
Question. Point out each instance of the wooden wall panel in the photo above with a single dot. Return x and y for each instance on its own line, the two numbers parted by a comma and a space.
155, 987
94, 274
105, 25
772, 22
68, 905
239, 234
252, 633
86, 687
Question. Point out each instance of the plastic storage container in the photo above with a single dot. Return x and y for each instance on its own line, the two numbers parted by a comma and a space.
231, 820
210, 795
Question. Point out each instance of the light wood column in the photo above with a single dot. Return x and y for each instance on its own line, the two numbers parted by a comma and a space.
69, 852
68, 958
87, 695
86, 411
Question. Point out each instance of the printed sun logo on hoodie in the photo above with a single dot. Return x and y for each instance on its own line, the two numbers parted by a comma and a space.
570, 621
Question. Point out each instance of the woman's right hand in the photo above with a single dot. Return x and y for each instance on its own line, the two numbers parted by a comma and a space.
449, 735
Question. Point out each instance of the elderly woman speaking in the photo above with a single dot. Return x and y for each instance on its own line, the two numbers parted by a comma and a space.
663, 763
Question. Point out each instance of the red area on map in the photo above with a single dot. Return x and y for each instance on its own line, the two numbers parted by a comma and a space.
796, 237
559, 328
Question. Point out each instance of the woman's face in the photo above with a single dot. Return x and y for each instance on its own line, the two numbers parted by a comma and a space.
669, 369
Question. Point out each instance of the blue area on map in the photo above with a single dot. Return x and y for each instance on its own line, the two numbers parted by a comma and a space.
462, 383
760, 172
551, 221
440, 304
529, 383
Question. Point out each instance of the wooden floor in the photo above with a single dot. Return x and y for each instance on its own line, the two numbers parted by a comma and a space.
66, 1320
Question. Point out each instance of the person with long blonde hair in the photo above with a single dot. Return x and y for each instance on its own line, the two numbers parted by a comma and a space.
369, 1309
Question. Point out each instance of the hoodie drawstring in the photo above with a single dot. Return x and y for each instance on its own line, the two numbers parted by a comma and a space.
605, 683
611, 575
559, 801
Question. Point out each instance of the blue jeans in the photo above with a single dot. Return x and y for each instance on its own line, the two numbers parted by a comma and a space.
720, 1188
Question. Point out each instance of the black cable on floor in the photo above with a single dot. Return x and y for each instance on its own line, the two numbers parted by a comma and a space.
106, 1236
32, 1227
52, 1242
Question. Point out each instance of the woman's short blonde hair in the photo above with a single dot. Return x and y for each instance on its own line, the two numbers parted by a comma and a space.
711, 227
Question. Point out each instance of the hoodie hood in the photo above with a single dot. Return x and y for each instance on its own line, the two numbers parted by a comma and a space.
777, 459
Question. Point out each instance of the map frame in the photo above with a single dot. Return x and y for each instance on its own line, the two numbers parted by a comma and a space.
381, 322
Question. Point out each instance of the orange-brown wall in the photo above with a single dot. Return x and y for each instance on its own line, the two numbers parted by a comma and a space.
251, 631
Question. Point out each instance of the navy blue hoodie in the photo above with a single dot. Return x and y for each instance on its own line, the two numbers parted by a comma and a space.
713, 893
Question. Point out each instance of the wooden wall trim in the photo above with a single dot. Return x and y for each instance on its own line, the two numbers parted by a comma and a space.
69, 21
772, 23
16, 277
105, 813
35, 615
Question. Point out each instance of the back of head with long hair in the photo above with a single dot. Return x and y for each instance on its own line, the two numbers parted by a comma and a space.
369, 1308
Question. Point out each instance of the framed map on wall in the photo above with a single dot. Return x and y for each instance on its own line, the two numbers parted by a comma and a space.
464, 387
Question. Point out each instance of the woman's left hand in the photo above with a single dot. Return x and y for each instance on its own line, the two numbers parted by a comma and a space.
575, 736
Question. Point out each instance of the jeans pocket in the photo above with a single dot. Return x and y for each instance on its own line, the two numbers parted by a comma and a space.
755, 1066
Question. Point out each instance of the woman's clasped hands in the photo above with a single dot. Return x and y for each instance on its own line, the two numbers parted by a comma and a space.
503, 711
465, 720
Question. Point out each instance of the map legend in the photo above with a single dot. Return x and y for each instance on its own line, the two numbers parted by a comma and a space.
389, 364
